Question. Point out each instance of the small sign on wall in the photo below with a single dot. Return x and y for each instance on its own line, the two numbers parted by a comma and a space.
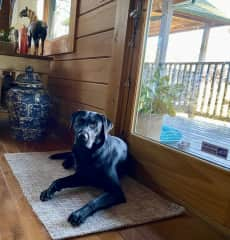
214, 150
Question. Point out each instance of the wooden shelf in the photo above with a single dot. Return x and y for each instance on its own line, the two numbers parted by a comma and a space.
28, 56
17, 64
3, 113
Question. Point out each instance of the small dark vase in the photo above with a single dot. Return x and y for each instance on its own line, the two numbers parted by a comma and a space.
28, 106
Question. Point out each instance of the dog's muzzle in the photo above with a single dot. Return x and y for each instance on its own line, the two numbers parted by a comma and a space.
83, 138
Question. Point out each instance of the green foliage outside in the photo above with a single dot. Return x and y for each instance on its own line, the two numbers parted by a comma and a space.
66, 22
158, 96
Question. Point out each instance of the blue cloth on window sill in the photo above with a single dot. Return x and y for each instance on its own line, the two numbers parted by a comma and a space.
170, 135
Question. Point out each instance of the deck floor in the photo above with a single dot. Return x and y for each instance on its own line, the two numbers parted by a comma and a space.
195, 130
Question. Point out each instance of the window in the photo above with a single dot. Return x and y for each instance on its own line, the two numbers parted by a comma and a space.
59, 18
183, 100
218, 48
185, 165
181, 48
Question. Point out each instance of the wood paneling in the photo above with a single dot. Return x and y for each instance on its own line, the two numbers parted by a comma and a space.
16, 63
81, 78
90, 5
4, 22
65, 109
4, 15
198, 185
93, 46
86, 93
192, 182
89, 70
99, 20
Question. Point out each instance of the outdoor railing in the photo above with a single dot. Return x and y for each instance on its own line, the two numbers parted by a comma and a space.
206, 86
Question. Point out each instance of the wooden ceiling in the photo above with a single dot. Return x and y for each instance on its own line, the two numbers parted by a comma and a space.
179, 23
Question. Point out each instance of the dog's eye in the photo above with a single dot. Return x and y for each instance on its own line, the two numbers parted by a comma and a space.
93, 124
80, 121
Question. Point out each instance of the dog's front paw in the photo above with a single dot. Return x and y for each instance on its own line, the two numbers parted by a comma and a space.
78, 217
46, 195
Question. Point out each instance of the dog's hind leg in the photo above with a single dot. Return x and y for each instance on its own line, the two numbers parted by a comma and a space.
68, 159
69, 163
63, 155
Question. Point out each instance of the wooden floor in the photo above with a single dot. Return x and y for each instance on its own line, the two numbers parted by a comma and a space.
18, 222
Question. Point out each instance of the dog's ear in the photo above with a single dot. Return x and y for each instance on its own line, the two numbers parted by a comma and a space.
72, 120
107, 125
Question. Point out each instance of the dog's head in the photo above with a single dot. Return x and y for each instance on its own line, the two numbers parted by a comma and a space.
24, 12
90, 128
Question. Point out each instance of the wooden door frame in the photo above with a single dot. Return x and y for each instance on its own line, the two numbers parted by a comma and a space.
200, 186
130, 73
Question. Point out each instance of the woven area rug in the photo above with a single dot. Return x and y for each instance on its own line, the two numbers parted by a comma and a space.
34, 172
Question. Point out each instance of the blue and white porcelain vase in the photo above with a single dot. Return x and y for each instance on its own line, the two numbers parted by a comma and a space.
28, 106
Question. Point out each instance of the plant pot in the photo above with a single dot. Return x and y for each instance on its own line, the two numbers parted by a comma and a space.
149, 125
7, 47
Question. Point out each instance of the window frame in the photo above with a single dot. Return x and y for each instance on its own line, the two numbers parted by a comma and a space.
63, 44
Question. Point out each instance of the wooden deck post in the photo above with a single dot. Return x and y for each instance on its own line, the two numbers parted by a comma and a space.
204, 43
167, 13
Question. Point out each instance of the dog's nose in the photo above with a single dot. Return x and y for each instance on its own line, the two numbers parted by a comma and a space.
83, 137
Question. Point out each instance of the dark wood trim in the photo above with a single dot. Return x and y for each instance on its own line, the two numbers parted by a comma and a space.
5, 15
118, 51
130, 76
29, 56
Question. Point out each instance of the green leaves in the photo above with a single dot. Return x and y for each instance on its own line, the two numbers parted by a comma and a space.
5, 34
158, 95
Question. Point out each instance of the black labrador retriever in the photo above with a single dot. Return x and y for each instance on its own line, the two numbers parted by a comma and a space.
99, 159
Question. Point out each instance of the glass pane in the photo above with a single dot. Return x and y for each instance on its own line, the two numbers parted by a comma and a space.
59, 18
218, 48
184, 95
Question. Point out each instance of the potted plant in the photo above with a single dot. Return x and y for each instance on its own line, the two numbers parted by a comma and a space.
6, 45
157, 97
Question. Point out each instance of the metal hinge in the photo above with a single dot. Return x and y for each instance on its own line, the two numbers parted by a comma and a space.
136, 15
127, 83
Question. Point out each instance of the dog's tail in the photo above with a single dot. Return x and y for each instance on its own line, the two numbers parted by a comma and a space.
63, 155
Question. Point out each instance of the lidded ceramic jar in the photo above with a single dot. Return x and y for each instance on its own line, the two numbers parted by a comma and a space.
28, 106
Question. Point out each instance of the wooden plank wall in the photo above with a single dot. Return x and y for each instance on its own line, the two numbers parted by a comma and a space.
84, 78
4, 15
